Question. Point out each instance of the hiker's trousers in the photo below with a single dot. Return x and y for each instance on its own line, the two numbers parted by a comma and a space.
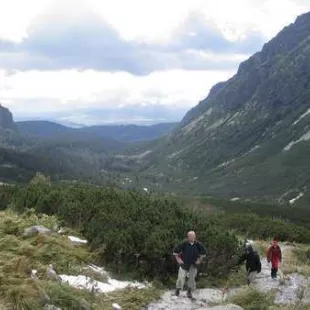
251, 275
191, 274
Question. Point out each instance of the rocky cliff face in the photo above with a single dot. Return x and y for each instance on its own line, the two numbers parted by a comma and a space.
251, 135
6, 119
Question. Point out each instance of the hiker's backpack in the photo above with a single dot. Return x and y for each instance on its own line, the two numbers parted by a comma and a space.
258, 262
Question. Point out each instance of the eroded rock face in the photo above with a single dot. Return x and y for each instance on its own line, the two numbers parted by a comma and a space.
6, 119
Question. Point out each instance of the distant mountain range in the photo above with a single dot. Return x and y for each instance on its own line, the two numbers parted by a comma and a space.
64, 152
139, 114
124, 133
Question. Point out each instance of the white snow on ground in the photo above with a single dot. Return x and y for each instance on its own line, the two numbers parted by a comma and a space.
83, 282
251, 150
77, 240
302, 116
176, 153
87, 283
235, 199
292, 201
226, 163
304, 137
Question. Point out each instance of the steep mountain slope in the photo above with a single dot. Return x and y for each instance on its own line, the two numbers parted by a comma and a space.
124, 133
251, 136
6, 119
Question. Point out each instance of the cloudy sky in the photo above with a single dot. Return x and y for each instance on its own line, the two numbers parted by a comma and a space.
71, 59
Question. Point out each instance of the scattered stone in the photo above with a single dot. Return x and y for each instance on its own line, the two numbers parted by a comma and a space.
51, 274
51, 307
33, 274
35, 230
227, 307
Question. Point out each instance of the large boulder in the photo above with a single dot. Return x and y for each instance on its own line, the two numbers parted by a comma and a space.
35, 230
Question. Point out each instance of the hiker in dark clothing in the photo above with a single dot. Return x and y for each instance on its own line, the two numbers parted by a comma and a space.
189, 254
274, 255
253, 264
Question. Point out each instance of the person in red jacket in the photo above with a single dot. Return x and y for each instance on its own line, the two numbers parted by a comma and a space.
274, 255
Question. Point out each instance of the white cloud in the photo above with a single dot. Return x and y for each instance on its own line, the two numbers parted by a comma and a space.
155, 21
57, 90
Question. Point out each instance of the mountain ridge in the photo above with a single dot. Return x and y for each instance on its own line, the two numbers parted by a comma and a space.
123, 133
250, 136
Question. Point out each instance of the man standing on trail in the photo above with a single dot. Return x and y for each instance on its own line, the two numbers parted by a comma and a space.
253, 264
189, 254
274, 255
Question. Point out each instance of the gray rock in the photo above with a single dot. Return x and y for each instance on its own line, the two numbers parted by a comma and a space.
35, 230
227, 307
85, 305
51, 274
51, 307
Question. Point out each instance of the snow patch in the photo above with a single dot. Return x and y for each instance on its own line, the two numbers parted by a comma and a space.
235, 199
77, 240
304, 137
226, 163
137, 156
87, 283
302, 116
145, 189
292, 201
175, 153
252, 150
234, 118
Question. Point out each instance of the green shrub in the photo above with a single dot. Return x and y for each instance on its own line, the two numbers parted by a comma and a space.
251, 298
134, 232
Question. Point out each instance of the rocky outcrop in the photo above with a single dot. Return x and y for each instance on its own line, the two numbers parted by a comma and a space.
6, 119
35, 230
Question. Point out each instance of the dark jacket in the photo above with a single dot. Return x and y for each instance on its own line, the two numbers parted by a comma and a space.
252, 260
189, 253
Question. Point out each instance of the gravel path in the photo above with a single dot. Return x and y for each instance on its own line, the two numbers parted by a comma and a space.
287, 293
